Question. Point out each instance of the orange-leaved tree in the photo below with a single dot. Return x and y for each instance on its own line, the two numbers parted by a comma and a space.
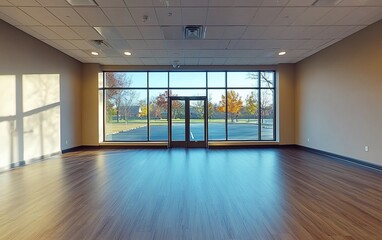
235, 104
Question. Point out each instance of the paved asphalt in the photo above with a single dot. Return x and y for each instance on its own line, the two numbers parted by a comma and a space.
216, 131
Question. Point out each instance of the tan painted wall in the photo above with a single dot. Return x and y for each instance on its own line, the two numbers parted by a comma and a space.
90, 111
339, 97
40, 104
286, 107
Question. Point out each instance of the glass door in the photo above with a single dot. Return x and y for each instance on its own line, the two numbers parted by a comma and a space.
187, 122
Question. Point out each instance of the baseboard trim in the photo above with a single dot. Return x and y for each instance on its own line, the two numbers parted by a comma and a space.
342, 158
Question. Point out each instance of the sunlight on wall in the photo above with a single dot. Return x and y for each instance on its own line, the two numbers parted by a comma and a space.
8, 138
41, 104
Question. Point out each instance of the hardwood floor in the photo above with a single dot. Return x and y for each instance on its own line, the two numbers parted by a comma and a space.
191, 194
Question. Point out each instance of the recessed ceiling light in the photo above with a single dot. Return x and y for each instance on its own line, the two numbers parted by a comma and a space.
94, 53
127, 53
82, 2
282, 53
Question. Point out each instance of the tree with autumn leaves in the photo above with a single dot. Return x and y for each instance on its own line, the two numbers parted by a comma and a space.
234, 106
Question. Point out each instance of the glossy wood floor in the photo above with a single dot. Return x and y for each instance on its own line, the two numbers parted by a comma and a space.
191, 194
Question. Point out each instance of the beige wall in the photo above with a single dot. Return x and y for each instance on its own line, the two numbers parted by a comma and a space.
40, 104
339, 97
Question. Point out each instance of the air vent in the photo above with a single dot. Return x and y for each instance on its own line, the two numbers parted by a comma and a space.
194, 32
77, 3
100, 44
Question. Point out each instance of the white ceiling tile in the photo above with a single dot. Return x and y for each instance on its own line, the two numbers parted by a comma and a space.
68, 16
221, 3
24, 3
42, 15
219, 61
275, 3
139, 3
248, 3
300, 3
361, 3
134, 61
244, 53
53, 3
334, 15
265, 15
137, 44
93, 16
351, 30
163, 61
274, 32
87, 33
46, 32
30, 31
191, 61
194, 16
169, 16
19, 16
332, 32
79, 53
361, 16
142, 53
130, 32
82, 44
313, 43
154, 33
111, 3
64, 44
119, 44
210, 44
288, 15
5, 3
172, 32
139, 13
158, 53
109, 32
167, 4
156, 44
230, 16
65, 32
9, 20
206, 61
194, 3
149, 61
225, 32
180, 44
119, 16
311, 15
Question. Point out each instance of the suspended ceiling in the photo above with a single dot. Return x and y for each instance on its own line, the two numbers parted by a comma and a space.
238, 32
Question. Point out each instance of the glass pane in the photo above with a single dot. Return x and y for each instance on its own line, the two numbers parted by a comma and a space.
267, 79
126, 115
158, 79
158, 115
126, 79
187, 79
216, 79
178, 128
196, 120
242, 79
188, 92
242, 124
267, 114
216, 114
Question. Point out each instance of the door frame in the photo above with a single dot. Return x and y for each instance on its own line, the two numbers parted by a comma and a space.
187, 143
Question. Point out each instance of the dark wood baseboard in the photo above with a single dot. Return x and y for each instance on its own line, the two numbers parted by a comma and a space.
342, 158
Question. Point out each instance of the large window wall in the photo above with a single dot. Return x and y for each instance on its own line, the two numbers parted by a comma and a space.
241, 105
